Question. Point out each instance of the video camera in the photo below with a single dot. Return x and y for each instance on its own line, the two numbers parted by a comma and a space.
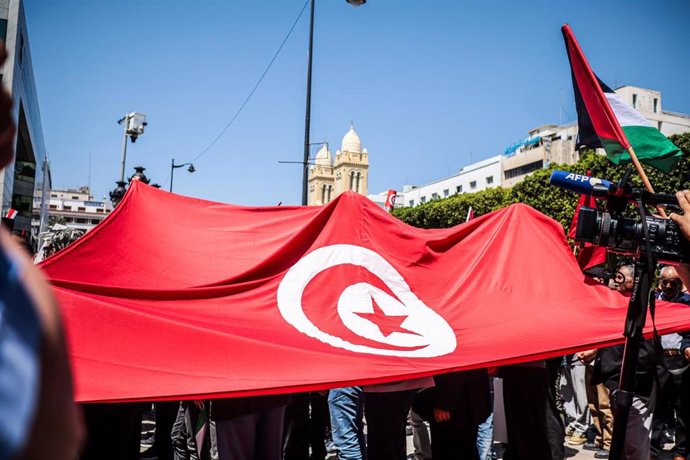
620, 234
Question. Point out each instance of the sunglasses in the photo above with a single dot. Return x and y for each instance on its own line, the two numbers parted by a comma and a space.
671, 282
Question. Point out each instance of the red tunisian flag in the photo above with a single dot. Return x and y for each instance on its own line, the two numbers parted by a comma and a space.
178, 298
390, 200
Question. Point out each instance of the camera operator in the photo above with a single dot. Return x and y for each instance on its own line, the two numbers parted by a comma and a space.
683, 223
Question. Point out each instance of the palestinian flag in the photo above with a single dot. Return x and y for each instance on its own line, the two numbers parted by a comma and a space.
606, 121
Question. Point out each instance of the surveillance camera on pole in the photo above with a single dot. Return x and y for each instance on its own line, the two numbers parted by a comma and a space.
136, 122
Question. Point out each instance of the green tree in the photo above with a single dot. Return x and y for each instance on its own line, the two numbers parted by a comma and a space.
536, 191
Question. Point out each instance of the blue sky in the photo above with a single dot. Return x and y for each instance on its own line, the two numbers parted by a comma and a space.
430, 85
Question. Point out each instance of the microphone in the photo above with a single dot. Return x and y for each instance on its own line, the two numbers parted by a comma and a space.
579, 183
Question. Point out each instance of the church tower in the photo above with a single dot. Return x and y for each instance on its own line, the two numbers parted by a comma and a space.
349, 172
351, 165
321, 186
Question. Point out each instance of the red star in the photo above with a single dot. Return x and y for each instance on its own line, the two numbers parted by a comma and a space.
387, 324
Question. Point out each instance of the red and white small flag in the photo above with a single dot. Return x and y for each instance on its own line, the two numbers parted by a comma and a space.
390, 200
470, 214
11, 213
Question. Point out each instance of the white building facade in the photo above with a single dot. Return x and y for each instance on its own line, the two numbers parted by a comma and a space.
472, 178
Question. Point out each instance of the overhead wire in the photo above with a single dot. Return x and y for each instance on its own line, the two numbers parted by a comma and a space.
256, 86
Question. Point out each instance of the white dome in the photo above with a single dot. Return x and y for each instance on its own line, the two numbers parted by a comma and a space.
351, 142
324, 156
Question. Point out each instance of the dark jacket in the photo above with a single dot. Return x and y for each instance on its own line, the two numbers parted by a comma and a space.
607, 367
226, 409
465, 394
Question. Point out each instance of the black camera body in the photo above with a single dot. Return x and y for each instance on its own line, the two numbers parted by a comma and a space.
626, 236
620, 234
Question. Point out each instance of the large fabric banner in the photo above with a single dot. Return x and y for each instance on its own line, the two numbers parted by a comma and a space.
179, 298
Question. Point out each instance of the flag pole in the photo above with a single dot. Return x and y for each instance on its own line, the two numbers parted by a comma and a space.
645, 179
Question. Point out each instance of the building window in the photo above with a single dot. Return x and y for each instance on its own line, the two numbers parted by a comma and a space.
95, 221
81, 208
473, 184
446, 192
99, 210
67, 208
53, 206
524, 169
634, 100
68, 220
79, 220
53, 195
656, 105
458, 189
434, 196
410, 203
423, 200
75, 197
490, 180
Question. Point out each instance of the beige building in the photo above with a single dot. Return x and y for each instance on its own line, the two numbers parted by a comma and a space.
349, 171
75, 208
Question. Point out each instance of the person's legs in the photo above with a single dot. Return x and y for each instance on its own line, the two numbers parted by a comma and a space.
296, 428
269, 433
420, 437
555, 430
639, 429
593, 407
683, 416
575, 378
113, 431
524, 397
604, 405
345, 406
318, 425
237, 437
166, 413
179, 434
386, 414
663, 413
485, 438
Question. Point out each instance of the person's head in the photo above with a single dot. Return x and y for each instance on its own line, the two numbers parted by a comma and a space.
623, 281
669, 282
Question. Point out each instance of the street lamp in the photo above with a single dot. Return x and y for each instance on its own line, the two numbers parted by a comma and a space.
173, 167
307, 117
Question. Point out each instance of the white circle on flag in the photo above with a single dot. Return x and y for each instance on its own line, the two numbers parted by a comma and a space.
402, 322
